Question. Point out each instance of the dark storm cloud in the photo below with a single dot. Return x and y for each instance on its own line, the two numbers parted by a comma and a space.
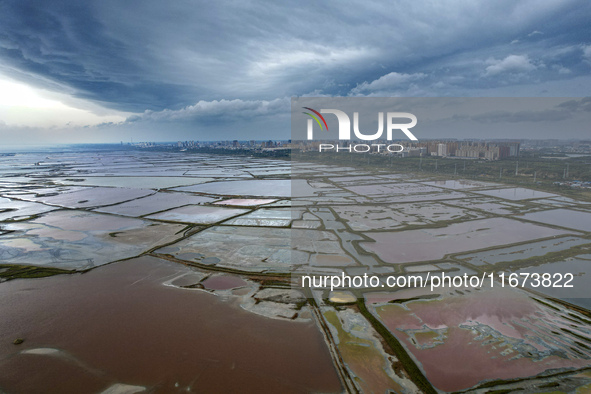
560, 112
63, 45
523, 116
178, 61
583, 104
207, 112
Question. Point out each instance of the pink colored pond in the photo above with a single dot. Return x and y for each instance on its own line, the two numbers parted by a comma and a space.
488, 334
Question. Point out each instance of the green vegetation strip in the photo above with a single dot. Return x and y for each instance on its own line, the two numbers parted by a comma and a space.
546, 304
575, 308
409, 365
14, 271
499, 382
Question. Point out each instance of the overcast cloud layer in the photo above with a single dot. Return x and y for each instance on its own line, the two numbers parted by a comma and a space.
225, 70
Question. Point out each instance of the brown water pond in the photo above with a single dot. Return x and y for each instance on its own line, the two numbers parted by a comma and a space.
119, 324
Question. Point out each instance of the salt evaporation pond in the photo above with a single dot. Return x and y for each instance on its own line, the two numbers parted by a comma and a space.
93, 197
18, 210
245, 202
435, 243
271, 187
461, 340
197, 214
461, 184
516, 193
80, 239
223, 282
522, 251
579, 294
256, 248
267, 217
120, 324
135, 182
154, 203
563, 217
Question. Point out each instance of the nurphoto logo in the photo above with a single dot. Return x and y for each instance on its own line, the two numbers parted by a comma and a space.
345, 130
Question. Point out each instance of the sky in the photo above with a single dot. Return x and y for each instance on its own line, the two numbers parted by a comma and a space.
110, 71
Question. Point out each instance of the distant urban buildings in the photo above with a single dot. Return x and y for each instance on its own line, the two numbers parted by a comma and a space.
488, 151
234, 144
442, 148
469, 149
